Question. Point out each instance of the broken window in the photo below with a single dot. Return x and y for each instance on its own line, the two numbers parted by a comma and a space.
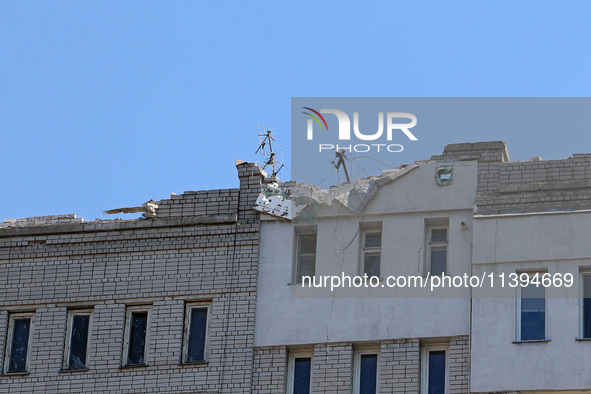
77, 339
371, 252
444, 175
18, 349
196, 332
136, 335
306, 256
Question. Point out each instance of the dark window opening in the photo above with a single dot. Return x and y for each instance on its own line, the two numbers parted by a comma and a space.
368, 374
438, 251
197, 334
371, 265
78, 341
301, 375
306, 256
20, 345
533, 313
137, 338
436, 372
587, 306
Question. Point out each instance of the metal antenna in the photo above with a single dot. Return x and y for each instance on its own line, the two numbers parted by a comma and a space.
264, 140
341, 156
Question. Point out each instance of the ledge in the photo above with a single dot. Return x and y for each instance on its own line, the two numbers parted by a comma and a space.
583, 339
74, 370
543, 186
8, 374
533, 341
133, 366
117, 225
194, 363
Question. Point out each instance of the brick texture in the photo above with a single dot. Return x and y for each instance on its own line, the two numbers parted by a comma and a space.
332, 368
506, 186
459, 365
400, 366
270, 370
200, 246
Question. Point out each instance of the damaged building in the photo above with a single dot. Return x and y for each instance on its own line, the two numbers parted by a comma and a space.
154, 305
207, 293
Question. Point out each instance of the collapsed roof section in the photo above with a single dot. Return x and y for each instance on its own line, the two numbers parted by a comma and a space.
288, 202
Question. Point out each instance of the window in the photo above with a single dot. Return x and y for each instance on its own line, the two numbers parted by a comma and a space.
77, 339
366, 376
370, 252
532, 312
435, 369
18, 343
437, 251
306, 256
586, 306
137, 335
300, 373
196, 332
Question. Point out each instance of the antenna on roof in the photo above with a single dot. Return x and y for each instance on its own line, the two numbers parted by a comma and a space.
341, 156
266, 149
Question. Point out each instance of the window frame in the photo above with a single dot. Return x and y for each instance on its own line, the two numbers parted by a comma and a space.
582, 275
296, 277
370, 250
8, 349
435, 245
68, 342
357, 367
425, 350
186, 332
519, 290
128, 315
291, 367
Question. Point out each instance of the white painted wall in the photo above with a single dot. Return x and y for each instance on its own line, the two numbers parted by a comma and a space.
560, 244
289, 314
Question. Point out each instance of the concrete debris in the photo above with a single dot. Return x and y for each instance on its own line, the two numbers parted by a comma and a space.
353, 195
149, 209
41, 220
274, 201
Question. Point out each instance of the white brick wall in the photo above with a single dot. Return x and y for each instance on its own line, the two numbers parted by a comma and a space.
163, 262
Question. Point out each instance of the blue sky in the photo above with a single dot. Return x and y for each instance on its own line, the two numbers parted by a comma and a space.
108, 104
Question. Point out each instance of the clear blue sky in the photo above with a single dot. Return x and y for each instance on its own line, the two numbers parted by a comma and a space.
108, 104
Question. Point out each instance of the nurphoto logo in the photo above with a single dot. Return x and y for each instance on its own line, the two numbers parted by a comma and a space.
345, 130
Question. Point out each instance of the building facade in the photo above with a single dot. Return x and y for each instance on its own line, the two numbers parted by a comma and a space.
235, 291
160, 305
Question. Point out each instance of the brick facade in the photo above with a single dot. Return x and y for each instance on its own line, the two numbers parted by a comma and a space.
201, 246
536, 185
333, 366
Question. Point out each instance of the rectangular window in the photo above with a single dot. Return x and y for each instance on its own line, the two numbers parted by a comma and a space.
366, 375
18, 344
437, 251
371, 251
586, 305
77, 339
196, 332
137, 334
305, 256
300, 373
532, 312
435, 369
